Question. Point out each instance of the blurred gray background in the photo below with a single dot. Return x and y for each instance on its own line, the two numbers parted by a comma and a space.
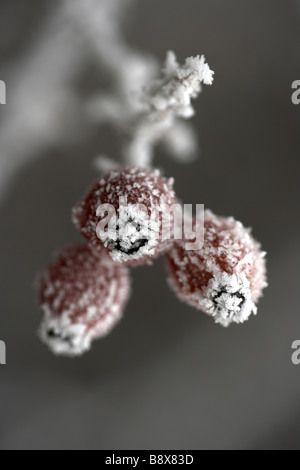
167, 377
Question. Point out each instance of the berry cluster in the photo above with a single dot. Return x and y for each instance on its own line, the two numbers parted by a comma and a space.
83, 292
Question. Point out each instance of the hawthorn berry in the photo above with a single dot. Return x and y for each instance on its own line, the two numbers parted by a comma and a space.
123, 213
225, 278
82, 297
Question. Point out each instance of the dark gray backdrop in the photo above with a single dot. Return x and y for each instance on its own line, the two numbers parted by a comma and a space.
168, 377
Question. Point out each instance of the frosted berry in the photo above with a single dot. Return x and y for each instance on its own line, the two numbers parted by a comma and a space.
134, 201
81, 297
226, 277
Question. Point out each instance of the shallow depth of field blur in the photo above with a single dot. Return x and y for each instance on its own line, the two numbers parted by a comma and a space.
167, 377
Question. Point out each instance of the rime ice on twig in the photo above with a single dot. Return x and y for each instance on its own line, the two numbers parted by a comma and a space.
128, 69
146, 113
162, 103
47, 109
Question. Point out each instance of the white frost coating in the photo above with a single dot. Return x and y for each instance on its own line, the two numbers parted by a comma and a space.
74, 339
138, 104
149, 110
162, 103
231, 303
124, 210
68, 339
82, 297
234, 304
130, 71
226, 277
46, 109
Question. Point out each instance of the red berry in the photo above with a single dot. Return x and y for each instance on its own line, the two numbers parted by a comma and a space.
226, 277
135, 234
81, 297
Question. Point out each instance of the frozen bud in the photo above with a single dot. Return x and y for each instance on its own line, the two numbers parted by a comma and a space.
226, 277
82, 297
123, 213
